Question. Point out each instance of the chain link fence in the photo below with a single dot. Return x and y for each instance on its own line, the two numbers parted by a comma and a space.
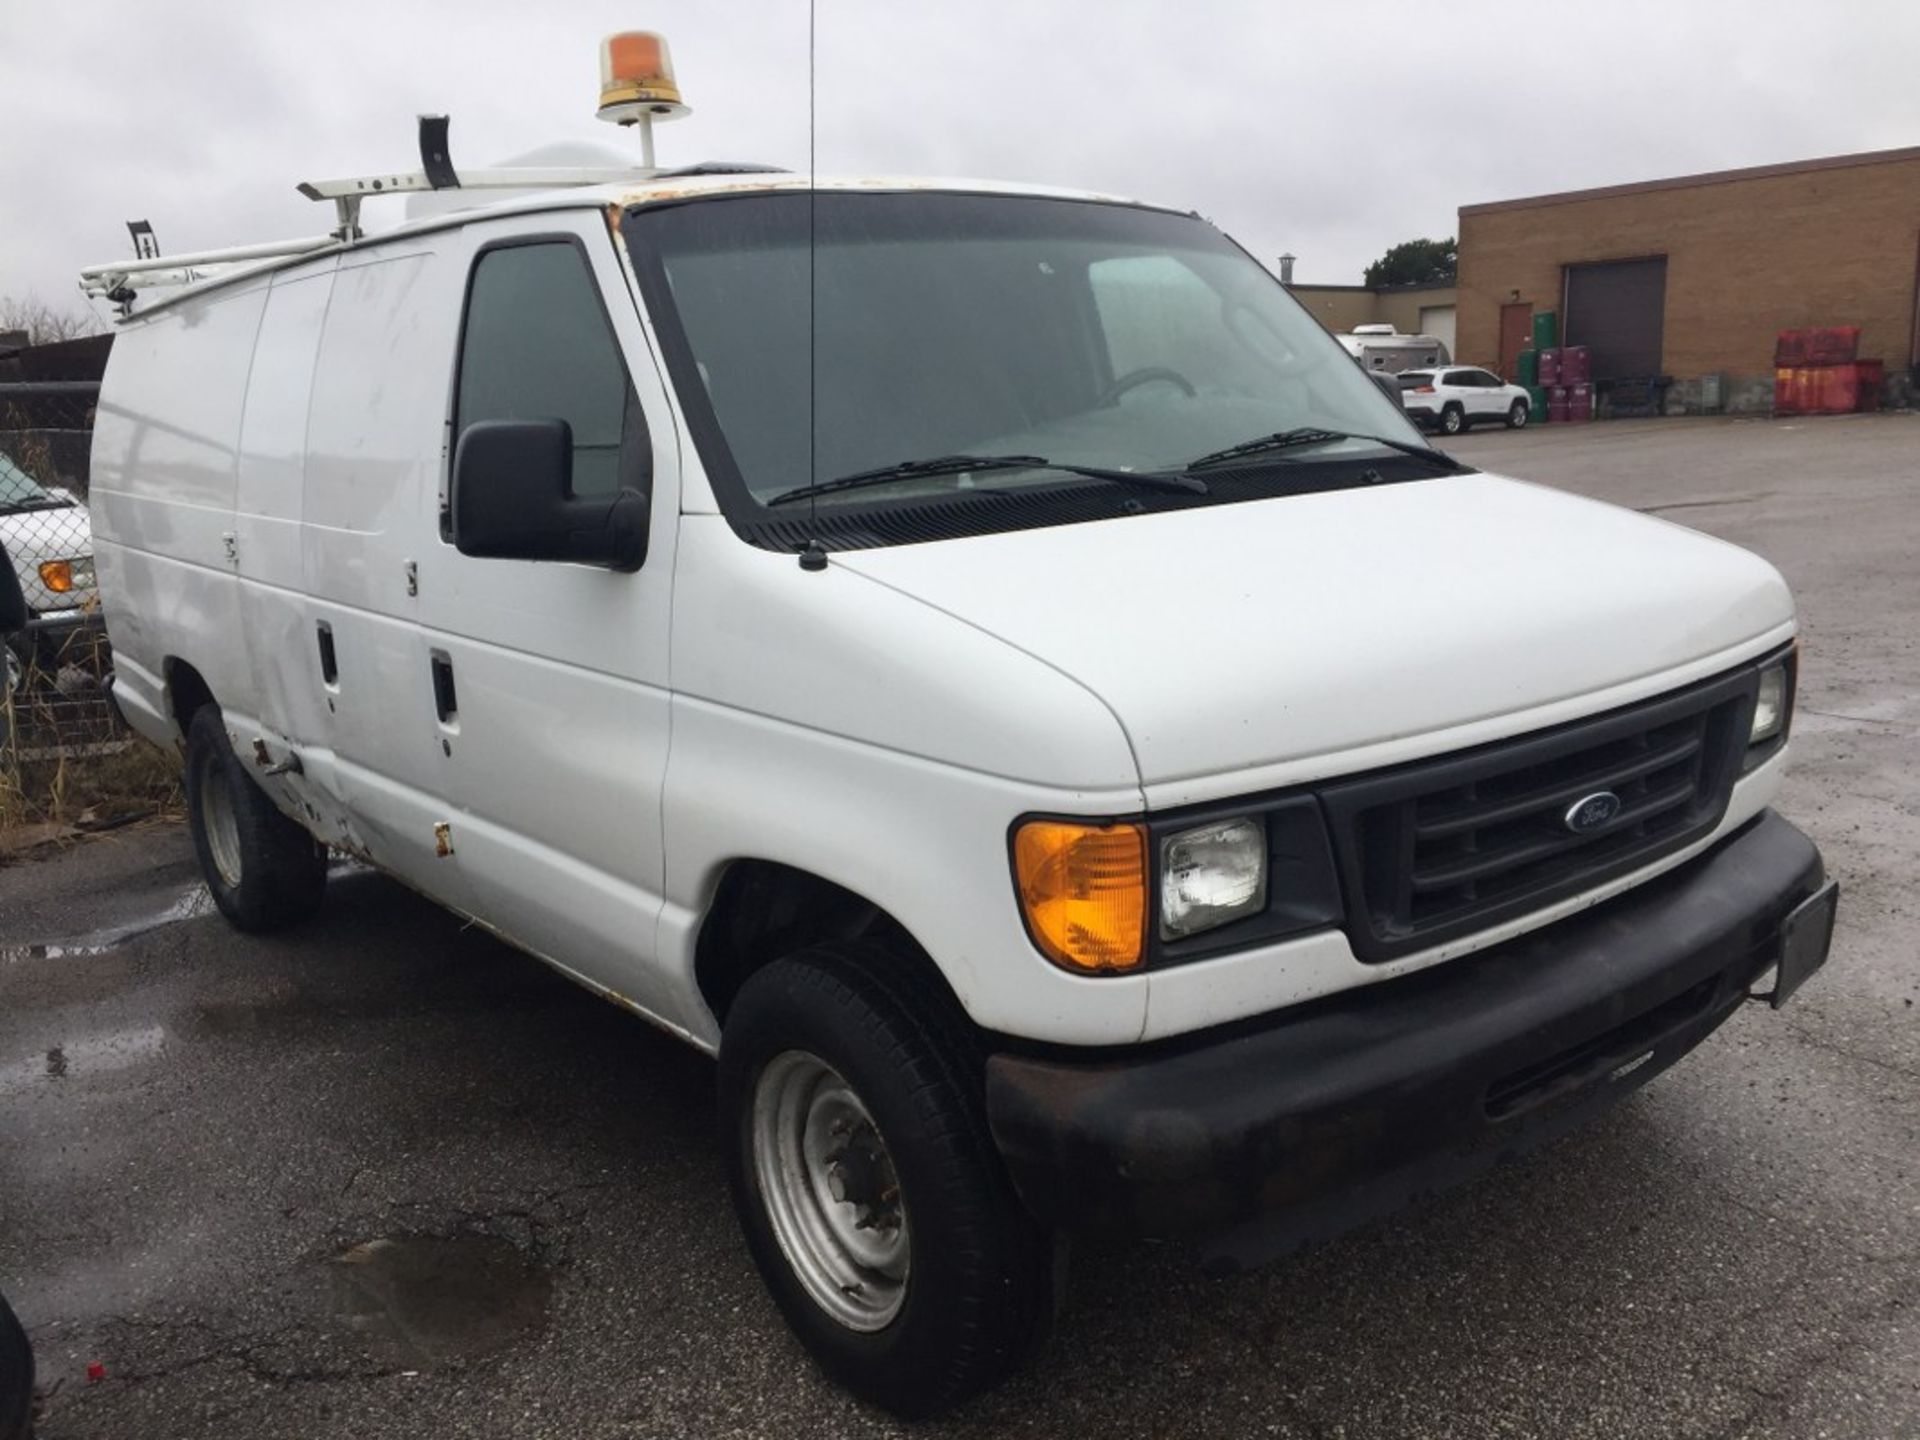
56, 706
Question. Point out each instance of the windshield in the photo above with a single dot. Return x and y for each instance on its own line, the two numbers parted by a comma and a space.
19, 490
1096, 335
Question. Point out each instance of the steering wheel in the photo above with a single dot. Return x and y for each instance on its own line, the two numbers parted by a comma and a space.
1146, 375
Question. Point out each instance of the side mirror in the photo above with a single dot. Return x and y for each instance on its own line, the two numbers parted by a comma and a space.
512, 500
13, 603
1389, 386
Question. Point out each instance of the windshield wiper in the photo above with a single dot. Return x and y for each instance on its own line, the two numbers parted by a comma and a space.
960, 464
1305, 435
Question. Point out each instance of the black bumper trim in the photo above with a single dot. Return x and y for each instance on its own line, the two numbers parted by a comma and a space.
1347, 1108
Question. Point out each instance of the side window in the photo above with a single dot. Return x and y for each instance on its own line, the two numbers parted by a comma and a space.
537, 345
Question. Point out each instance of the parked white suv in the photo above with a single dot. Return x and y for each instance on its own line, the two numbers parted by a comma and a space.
1459, 397
983, 662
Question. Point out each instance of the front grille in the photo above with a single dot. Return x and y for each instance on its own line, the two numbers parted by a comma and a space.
1442, 848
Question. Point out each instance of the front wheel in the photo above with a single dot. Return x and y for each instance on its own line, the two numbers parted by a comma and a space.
1452, 420
1517, 415
872, 1199
263, 870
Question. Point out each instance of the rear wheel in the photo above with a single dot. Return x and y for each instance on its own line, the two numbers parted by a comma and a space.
1453, 420
1516, 415
872, 1199
264, 870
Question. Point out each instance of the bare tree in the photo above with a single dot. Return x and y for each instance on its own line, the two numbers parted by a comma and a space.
42, 323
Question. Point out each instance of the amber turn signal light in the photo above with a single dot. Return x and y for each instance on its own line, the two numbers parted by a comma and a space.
1083, 888
57, 575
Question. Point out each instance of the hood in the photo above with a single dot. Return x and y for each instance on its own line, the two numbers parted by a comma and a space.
1244, 637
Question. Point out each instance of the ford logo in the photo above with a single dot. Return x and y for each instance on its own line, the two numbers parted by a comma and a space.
1590, 812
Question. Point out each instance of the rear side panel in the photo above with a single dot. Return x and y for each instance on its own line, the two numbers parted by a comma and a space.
165, 439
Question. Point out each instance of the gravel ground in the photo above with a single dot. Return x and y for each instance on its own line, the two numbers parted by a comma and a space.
383, 1177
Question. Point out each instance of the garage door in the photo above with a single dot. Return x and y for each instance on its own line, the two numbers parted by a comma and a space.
1437, 321
1615, 310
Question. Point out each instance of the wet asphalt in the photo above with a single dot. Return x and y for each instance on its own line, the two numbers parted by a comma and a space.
384, 1177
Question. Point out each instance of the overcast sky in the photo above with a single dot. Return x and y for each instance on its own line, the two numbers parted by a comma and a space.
1329, 129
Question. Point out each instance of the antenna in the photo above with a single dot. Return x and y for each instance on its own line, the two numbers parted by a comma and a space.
813, 555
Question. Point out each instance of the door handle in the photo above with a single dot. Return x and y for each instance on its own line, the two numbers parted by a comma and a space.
329, 663
446, 703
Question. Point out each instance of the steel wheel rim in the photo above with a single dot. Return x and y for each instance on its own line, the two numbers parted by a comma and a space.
218, 820
828, 1185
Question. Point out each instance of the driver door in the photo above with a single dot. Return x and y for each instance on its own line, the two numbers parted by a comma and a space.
548, 684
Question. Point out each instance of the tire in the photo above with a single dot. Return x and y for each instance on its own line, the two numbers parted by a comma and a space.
1453, 420
16, 1377
974, 1297
264, 870
1517, 415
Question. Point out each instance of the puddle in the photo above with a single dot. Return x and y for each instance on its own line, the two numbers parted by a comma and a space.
100, 1054
190, 906
435, 1299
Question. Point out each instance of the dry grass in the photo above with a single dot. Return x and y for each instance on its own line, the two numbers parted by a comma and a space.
72, 766
90, 792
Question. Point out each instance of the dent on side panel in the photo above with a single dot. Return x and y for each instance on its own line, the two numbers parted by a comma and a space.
374, 432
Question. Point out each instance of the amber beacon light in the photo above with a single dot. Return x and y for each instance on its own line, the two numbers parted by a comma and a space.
1083, 888
636, 79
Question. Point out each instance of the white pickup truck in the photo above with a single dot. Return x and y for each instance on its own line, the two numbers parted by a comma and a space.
46, 532
985, 664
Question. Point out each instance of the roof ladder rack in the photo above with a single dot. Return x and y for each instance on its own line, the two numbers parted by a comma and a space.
115, 281
436, 172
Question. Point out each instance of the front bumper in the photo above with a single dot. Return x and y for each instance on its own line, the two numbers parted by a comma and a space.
1305, 1124
59, 622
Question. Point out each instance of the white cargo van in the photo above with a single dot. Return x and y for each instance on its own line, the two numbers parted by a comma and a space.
985, 664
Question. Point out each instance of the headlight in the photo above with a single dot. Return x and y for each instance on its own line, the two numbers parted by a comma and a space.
1770, 709
1212, 874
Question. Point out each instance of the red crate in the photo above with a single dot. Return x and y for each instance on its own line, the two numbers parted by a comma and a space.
1790, 389
1790, 348
1827, 389
1576, 365
1549, 368
1836, 389
1558, 401
1580, 402
1833, 345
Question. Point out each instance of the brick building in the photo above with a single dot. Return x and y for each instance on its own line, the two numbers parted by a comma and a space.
1693, 277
